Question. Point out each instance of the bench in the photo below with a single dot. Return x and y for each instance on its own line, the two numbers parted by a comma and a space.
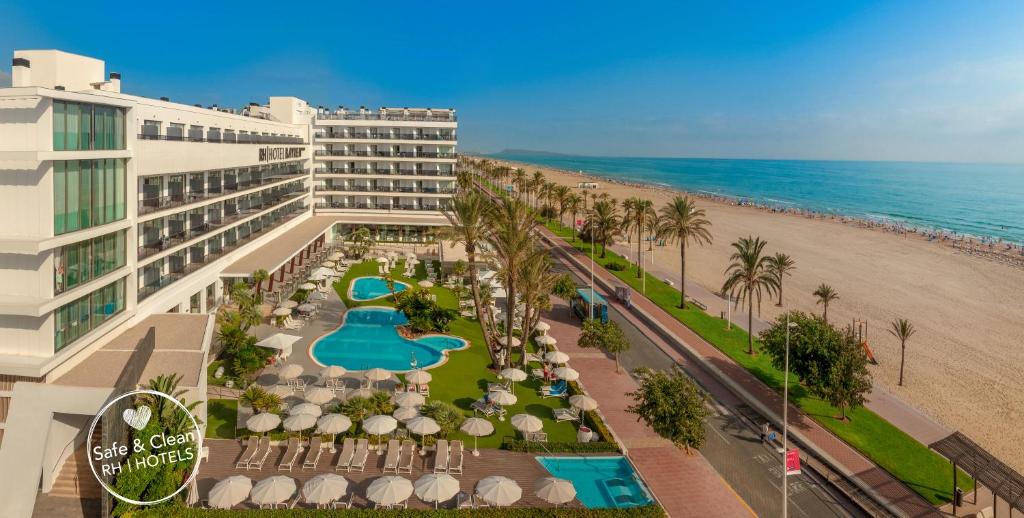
699, 304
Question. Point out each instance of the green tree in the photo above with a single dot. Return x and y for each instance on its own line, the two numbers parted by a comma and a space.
357, 408
561, 195
639, 212
424, 314
747, 277
848, 380
389, 280
248, 306
448, 416
564, 289
902, 329
812, 346
825, 295
607, 336
467, 216
536, 281
573, 205
361, 242
510, 238
672, 405
258, 278
781, 265
682, 222
604, 224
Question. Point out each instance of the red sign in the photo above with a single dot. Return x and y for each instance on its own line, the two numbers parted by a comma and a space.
793, 462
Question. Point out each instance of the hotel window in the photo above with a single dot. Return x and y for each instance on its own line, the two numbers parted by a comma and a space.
87, 193
74, 320
195, 133
175, 131
79, 263
82, 126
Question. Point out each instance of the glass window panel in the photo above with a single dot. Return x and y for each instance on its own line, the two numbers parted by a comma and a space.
59, 125
119, 128
98, 193
85, 194
73, 184
119, 189
85, 137
111, 195
59, 197
73, 117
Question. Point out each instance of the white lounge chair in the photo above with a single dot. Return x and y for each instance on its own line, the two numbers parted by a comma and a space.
291, 453
348, 450
359, 457
391, 460
262, 452
313, 454
249, 453
441, 456
455, 458
566, 414
406, 457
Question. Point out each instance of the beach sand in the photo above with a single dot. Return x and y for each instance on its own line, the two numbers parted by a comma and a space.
964, 364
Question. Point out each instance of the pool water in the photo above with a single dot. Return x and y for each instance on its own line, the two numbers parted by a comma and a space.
600, 482
369, 288
367, 339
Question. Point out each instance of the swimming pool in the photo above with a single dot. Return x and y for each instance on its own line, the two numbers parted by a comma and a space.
369, 288
600, 481
367, 338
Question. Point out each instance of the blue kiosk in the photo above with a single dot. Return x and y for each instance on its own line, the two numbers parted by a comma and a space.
585, 305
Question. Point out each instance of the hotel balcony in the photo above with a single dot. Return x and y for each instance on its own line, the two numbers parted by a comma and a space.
201, 194
364, 171
324, 153
384, 189
389, 115
331, 136
379, 206
151, 132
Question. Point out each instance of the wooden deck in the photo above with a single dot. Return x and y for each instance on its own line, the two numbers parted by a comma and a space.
521, 467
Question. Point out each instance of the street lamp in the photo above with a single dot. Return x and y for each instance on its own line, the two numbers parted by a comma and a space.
592, 246
785, 422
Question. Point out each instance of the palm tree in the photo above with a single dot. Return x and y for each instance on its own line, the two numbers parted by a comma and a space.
537, 181
561, 195
573, 204
604, 224
509, 236
639, 213
467, 216
748, 277
257, 279
682, 222
825, 295
389, 280
543, 196
781, 265
902, 329
536, 282
166, 411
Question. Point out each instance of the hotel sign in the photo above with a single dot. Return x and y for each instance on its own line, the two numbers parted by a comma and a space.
268, 153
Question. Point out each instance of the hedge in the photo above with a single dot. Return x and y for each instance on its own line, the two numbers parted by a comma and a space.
519, 445
648, 511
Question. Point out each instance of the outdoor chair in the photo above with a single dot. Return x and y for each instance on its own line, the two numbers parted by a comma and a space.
313, 454
249, 453
566, 414
391, 460
344, 502
406, 456
455, 458
463, 500
348, 450
262, 452
290, 455
441, 456
481, 406
300, 386
424, 390
359, 457
506, 386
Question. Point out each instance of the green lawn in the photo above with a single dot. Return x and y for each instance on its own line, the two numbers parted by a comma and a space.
907, 459
221, 416
464, 378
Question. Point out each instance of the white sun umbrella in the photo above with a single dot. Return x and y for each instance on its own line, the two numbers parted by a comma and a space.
335, 256
273, 490
316, 276
282, 390
567, 374
288, 304
333, 371
423, 426
324, 488
264, 422
405, 413
543, 327
418, 376
477, 427
426, 284
377, 374
583, 402
363, 392
307, 286
555, 490
436, 487
498, 490
328, 264
299, 422
279, 341
511, 341
379, 425
526, 423
306, 409
333, 424
319, 395
545, 340
556, 357
409, 399
282, 312
382, 259
289, 372
502, 397
389, 490
229, 492
322, 272
513, 374
306, 308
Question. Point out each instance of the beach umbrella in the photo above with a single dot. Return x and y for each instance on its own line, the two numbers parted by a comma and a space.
306, 409
418, 376
307, 286
316, 276
322, 272
542, 326
332, 371
436, 487
423, 426
282, 312
306, 308
328, 264
477, 427
335, 256
273, 490
363, 392
319, 395
379, 425
567, 373
426, 284
279, 341
502, 397
405, 413
555, 490
408, 399
377, 374
498, 490
333, 424
288, 304
229, 492
389, 490
510, 341
556, 357
264, 422
289, 372
583, 402
324, 488
545, 340
382, 259
513, 374
526, 423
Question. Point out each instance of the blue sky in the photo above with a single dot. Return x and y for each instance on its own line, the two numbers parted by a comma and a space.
933, 81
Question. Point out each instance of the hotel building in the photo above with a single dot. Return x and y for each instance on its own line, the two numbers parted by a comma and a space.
123, 219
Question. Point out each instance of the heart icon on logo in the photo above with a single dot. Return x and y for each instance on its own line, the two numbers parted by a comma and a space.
137, 418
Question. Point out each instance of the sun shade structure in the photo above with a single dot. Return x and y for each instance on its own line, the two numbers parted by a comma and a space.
333, 371
288, 304
282, 312
307, 286
567, 374
425, 284
499, 491
229, 492
273, 490
419, 377
403, 414
282, 391
477, 427
264, 422
556, 357
526, 423
583, 402
322, 272
306, 308
306, 408
379, 425
436, 488
328, 264
290, 372
324, 488
335, 256
377, 374
546, 340
389, 490
543, 327
333, 424
298, 422
279, 341
319, 395
510, 341
1006, 483
409, 399
502, 397
423, 426
555, 490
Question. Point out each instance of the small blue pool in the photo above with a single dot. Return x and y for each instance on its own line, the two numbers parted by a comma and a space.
369, 288
367, 338
600, 481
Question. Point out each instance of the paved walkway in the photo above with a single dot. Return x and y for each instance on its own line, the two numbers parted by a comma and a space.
857, 467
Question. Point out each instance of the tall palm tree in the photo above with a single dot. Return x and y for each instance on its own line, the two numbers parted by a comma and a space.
781, 265
521, 181
538, 182
509, 237
543, 196
536, 283
639, 213
467, 216
680, 221
604, 224
257, 279
573, 205
902, 329
748, 277
560, 194
825, 295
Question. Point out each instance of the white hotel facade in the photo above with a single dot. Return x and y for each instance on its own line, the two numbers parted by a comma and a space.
123, 216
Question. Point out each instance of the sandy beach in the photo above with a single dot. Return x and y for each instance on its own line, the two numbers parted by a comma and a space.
963, 365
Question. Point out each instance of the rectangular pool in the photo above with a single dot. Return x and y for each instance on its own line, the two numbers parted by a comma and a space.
600, 481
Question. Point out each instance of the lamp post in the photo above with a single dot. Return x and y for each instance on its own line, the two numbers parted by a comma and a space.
785, 423
592, 246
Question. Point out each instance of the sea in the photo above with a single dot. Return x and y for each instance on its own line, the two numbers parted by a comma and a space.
980, 200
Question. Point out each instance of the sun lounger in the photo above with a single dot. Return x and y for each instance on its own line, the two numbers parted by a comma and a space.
359, 457
344, 502
507, 386
478, 503
250, 451
313, 454
441, 456
348, 450
290, 455
566, 414
262, 452
391, 460
405, 459
455, 458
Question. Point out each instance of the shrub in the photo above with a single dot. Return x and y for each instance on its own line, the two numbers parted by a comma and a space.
448, 416
519, 445
424, 314
615, 266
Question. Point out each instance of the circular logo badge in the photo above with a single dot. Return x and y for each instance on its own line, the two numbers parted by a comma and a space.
156, 434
